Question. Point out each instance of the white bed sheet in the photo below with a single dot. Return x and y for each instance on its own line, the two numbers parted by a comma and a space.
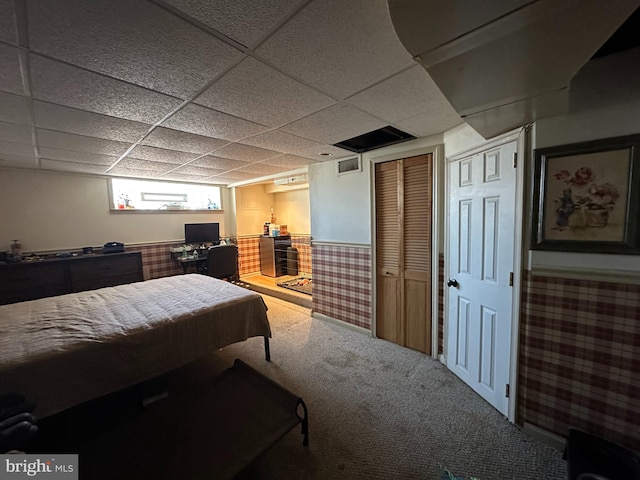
65, 350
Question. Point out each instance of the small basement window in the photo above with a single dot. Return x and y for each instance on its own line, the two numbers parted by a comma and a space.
133, 194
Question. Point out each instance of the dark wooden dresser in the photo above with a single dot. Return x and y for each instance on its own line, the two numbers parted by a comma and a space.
56, 276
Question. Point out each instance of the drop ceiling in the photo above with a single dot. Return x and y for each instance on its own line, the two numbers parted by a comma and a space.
193, 90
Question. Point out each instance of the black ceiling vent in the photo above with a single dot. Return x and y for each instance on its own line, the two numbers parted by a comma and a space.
624, 38
376, 139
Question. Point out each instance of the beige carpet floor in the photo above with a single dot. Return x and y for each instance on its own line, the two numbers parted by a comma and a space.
380, 411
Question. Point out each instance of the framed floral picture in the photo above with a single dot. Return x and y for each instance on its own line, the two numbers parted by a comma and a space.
587, 197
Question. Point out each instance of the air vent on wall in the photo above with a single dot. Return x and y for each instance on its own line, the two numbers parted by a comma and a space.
376, 139
348, 165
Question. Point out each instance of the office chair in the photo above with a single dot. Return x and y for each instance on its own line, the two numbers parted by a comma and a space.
222, 262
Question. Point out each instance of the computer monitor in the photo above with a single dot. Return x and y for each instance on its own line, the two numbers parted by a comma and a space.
199, 233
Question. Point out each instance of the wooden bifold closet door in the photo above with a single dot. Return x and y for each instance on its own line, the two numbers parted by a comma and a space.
403, 190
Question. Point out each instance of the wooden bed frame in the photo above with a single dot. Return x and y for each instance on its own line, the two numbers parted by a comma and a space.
62, 351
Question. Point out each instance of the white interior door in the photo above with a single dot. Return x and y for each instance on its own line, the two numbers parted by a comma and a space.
480, 259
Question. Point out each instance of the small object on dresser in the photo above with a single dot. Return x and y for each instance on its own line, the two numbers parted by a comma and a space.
113, 247
87, 250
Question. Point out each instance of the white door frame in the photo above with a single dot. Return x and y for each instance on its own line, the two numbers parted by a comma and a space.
521, 137
437, 209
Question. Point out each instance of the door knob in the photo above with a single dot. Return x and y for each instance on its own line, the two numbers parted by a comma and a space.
452, 283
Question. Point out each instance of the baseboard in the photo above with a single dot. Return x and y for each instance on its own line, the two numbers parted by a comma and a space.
543, 436
341, 323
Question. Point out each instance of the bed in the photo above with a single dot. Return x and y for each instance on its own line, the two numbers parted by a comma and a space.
62, 351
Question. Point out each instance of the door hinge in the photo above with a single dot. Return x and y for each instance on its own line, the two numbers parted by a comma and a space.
506, 391
511, 279
515, 159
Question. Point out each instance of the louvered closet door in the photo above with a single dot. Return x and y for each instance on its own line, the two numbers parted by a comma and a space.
403, 253
388, 252
416, 233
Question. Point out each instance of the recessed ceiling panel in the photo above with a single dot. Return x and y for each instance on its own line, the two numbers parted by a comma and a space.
254, 91
207, 122
334, 124
134, 41
17, 161
245, 22
379, 138
72, 120
10, 72
58, 83
16, 149
197, 170
233, 176
339, 47
288, 143
182, 141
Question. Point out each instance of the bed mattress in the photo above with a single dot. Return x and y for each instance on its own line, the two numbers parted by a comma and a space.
62, 351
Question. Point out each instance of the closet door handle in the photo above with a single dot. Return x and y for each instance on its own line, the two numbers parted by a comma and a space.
452, 283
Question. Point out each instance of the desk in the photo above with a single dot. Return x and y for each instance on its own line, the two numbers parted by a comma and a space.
190, 260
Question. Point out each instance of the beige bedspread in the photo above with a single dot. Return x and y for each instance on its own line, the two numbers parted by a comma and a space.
62, 351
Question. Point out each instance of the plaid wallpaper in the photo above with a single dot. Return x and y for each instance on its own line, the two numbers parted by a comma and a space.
579, 360
157, 260
250, 254
342, 283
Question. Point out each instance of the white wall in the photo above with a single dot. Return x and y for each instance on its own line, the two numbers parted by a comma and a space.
339, 204
253, 209
292, 209
49, 211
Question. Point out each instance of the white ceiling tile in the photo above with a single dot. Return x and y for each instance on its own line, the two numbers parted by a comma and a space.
136, 164
48, 164
197, 170
402, 96
161, 155
78, 143
77, 157
185, 177
288, 143
10, 71
134, 41
207, 122
262, 169
257, 92
13, 108
73, 87
211, 161
182, 141
289, 161
71, 120
245, 22
245, 153
430, 123
15, 132
334, 124
338, 47
233, 176
16, 149
7, 22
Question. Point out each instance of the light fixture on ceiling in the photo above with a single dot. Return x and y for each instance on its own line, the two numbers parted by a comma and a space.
325, 154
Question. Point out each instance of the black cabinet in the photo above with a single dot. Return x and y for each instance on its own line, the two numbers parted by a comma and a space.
50, 277
273, 255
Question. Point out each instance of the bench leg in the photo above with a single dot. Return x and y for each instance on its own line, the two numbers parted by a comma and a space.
267, 351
